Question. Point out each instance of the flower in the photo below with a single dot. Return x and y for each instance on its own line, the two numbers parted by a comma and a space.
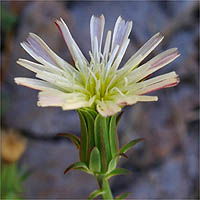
100, 83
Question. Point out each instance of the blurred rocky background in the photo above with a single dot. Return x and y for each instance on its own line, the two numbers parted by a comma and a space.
165, 166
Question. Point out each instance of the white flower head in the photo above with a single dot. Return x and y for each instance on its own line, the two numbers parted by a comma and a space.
98, 83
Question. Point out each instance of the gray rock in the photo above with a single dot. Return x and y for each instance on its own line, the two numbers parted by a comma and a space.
47, 162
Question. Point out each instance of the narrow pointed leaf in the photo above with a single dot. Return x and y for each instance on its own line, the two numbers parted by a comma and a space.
95, 194
113, 137
115, 172
122, 196
84, 146
75, 139
95, 161
126, 147
78, 165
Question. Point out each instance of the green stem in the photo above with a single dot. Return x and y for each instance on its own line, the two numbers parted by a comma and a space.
104, 185
106, 188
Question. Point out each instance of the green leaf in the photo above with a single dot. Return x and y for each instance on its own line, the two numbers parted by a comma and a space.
75, 139
122, 196
115, 172
96, 193
126, 147
78, 165
95, 161
84, 145
112, 164
114, 143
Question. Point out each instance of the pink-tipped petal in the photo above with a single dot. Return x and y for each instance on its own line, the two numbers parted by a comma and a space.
72, 46
163, 81
153, 65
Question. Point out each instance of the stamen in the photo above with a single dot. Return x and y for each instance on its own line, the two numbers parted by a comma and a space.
118, 90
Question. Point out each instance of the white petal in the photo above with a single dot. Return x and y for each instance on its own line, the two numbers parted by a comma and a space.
68, 101
126, 100
96, 30
111, 59
77, 102
163, 81
107, 46
145, 98
135, 60
60, 82
124, 71
153, 65
130, 100
39, 50
121, 54
52, 98
71, 43
107, 108
35, 67
53, 75
147, 48
33, 83
121, 32
96, 50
